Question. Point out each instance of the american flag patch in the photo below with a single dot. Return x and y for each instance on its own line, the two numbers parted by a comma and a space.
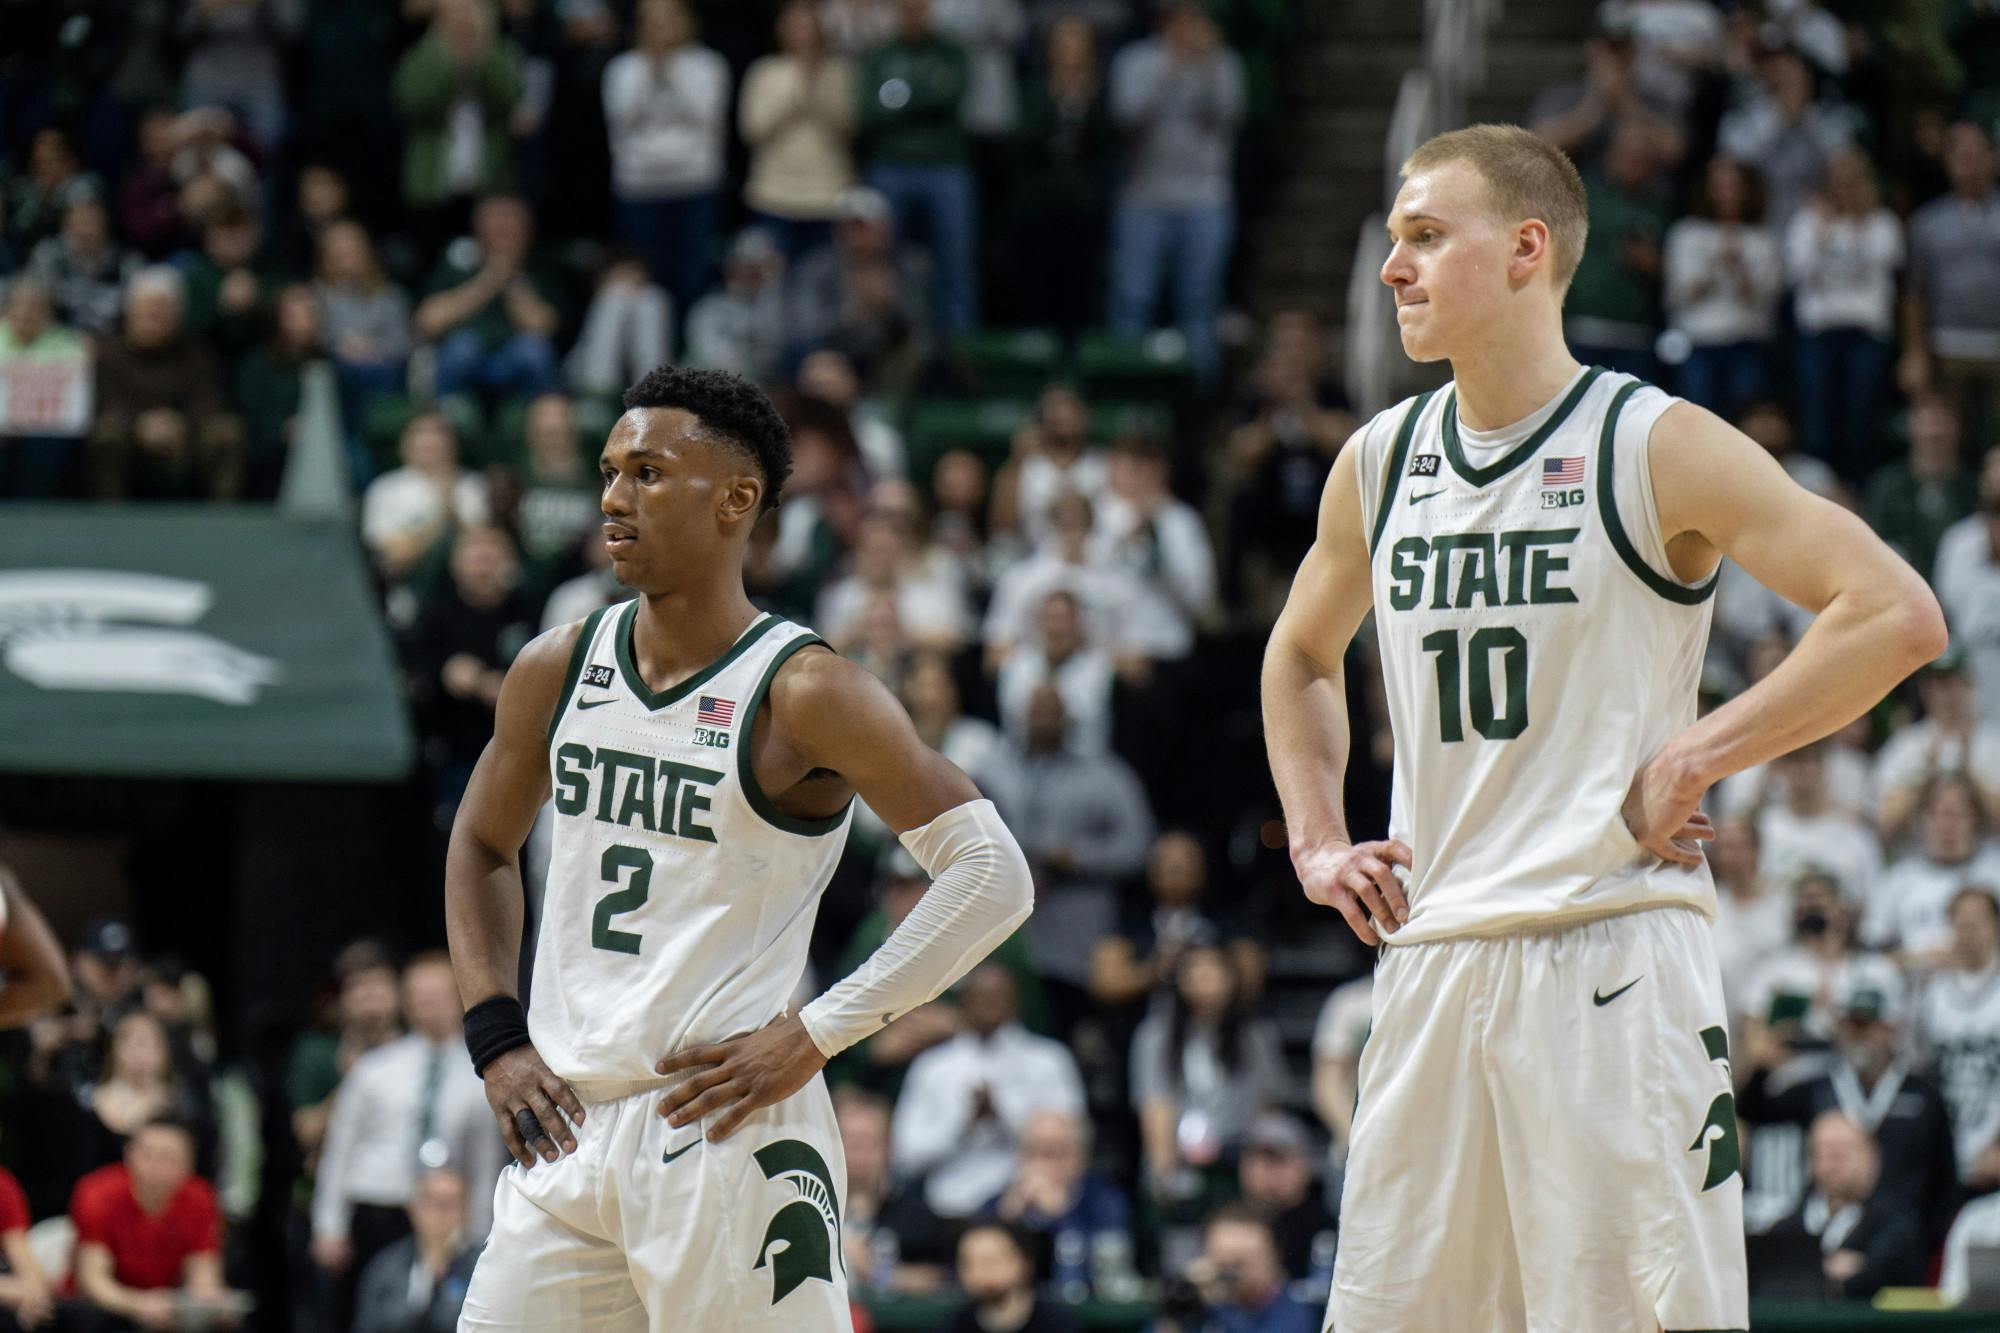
1562, 471
714, 712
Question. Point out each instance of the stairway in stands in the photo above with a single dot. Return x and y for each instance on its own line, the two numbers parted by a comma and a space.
1339, 89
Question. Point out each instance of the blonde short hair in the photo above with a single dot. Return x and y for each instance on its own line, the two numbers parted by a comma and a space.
1527, 177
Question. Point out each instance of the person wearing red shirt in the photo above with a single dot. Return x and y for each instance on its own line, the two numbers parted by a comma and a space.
25, 1298
149, 1237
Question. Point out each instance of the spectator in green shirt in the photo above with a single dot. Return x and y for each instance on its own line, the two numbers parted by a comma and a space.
1912, 501
1612, 312
491, 307
912, 133
456, 90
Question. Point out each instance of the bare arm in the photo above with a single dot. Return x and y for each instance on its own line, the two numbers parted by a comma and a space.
1305, 715
1719, 494
95, 1279
37, 973
1333, 1096
482, 882
440, 314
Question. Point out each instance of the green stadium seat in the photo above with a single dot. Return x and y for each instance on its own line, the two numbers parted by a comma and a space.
984, 426
1007, 361
1151, 366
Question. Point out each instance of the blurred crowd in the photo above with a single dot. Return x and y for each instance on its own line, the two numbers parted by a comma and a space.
1051, 491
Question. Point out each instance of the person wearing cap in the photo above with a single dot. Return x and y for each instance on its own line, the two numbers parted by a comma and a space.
1870, 1080
1275, 1173
1867, 1238
1950, 737
1906, 908
740, 328
863, 293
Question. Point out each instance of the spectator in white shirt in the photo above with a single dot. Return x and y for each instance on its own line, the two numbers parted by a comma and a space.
1950, 738
1842, 251
965, 1103
666, 105
1722, 284
1967, 582
930, 599
1906, 910
404, 1107
1977, 1225
1753, 917
1081, 676
628, 330
1958, 1024
405, 511
1161, 542
1805, 830
1068, 559
1677, 41
1052, 454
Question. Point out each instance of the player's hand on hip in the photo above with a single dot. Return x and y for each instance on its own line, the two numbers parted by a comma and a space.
1359, 881
1664, 816
533, 1106
735, 1077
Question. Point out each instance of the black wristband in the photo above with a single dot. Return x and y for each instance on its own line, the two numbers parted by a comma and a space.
493, 1028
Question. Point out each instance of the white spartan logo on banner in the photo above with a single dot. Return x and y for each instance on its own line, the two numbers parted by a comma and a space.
60, 630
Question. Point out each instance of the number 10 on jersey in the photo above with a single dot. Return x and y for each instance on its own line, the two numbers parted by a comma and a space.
1468, 678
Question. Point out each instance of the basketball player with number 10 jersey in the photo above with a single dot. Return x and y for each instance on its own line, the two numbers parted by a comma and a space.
1544, 1137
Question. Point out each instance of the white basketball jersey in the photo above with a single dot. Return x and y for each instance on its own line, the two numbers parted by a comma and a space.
680, 901
1960, 1022
1537, 648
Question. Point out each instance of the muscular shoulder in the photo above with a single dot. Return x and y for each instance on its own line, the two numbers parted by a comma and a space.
819, 698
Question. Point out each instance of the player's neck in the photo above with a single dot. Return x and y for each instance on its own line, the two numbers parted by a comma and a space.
1511, 376
679, 633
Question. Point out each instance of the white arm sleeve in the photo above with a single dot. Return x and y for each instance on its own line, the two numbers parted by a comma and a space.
980, 893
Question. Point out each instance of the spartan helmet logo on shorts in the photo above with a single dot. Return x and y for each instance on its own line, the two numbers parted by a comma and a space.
1718, 1129
802, 1239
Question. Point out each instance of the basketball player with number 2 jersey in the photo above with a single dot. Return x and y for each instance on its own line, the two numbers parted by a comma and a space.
1544, 1137
677, 1161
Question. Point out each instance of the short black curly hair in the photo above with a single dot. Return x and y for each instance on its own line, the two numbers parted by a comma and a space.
729, 408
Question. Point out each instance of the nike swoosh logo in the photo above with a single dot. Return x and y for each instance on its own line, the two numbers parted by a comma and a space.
680, 1152
1603, 1000
1417, 499
582, 704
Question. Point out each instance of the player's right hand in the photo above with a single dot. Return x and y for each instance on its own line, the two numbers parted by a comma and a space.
519, 1081
1359, 881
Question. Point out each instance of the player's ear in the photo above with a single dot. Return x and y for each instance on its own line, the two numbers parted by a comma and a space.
1531, 250
741, 498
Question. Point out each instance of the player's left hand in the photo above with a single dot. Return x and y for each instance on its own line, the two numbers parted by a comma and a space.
740, 1075
1664, 815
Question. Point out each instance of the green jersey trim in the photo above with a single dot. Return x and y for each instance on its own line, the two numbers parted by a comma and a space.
1486, 476
1607, 507
577, 656
657, 700
1397, 455
746, 771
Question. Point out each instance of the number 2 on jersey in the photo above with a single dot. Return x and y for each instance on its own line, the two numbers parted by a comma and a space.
1502, 724
619, 901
